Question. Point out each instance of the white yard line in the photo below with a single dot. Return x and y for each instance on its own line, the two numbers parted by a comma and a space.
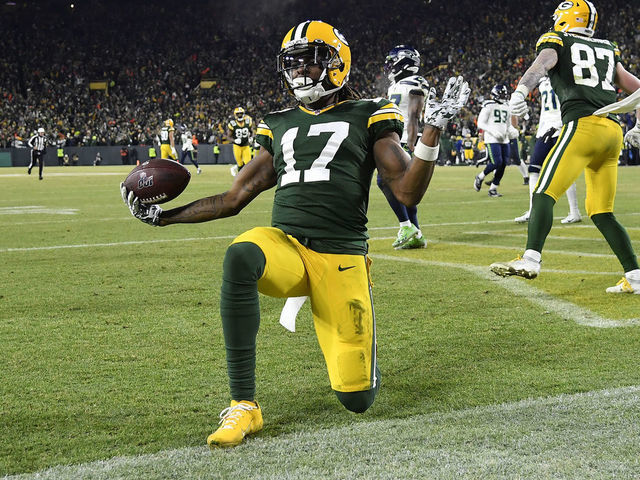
116, 244
524, 289
533, 438
69, 174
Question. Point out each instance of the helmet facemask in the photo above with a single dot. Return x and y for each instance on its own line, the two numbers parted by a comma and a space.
294, 63
401, 62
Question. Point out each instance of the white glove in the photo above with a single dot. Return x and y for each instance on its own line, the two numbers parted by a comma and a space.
632, 137
512, 132
438, 114
146, 213
237, 141
173, 152
517, 104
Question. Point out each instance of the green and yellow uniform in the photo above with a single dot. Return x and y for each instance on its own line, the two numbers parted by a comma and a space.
317, 244
165, 143
583, 81
240, 134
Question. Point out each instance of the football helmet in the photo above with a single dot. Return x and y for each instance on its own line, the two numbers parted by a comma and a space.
238, 114
314, 43
168, 123
500, 93
41, 130
402, 61
579, 17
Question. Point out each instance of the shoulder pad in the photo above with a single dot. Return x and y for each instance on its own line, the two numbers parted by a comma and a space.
551, 37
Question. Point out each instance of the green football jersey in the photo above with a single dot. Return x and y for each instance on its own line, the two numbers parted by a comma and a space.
583, 77
324, 163
241, 131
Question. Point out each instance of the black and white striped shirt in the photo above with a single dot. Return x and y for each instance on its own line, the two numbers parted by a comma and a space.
38, 142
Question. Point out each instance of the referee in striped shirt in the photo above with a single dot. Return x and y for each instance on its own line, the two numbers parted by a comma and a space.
38, 144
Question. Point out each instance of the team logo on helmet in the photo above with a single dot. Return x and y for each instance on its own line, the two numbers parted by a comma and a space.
579, 17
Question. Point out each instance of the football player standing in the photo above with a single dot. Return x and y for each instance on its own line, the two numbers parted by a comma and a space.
409, 92
188, 148
167, 141
240, 132
549, 127
320, 156
38, 145
583, 71
494, 119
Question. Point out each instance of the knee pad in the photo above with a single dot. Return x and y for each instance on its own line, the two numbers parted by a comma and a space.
357, 402
243, 262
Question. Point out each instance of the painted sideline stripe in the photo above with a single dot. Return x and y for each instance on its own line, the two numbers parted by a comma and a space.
115, 244
562, 431
505, 247
524, 235
225, 237
70, 174
523, 288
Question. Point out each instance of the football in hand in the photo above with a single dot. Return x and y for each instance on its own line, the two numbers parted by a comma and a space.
157, 181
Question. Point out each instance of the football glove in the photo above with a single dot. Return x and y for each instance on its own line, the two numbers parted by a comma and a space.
548, 135
632, 137
173, 152
146, 213
237, 141
517, 104
438, 114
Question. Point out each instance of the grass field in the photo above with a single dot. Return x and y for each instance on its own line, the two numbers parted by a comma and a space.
113, 366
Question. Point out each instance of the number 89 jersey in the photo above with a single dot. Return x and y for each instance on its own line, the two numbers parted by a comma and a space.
583, 76
324, 164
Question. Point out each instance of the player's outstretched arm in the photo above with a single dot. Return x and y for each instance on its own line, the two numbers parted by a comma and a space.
407, 177
257, 176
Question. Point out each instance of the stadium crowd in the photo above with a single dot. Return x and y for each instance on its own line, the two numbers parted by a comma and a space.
153, 55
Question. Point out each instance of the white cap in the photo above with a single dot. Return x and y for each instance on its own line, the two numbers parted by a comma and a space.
41, 130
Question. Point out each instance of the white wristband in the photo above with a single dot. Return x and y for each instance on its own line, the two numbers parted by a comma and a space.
425, 152
523, 89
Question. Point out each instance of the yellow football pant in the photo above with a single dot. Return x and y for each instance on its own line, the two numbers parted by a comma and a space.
468, 154
165, 152
340, 292
242, 154
591, 144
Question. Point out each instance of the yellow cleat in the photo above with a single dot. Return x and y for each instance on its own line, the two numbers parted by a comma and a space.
239, 419
625, 286
522, 267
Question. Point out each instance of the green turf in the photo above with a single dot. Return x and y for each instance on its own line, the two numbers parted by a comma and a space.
117, 349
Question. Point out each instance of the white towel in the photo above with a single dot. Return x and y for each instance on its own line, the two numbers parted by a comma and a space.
290, 311
623, 106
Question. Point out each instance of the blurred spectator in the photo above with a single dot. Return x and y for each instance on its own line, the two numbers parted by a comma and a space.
150, 76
